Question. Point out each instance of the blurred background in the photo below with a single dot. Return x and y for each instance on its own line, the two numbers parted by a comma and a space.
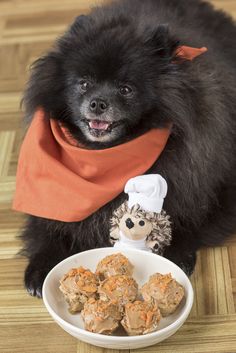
27, 30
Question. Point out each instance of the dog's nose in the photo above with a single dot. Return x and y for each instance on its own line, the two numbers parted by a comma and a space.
129, 223
98, 106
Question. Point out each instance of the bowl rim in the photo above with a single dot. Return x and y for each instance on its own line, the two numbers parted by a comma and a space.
174, 325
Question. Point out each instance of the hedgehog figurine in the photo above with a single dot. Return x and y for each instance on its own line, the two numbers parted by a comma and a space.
140, 222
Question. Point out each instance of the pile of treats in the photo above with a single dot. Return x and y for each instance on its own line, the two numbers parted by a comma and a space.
110, 297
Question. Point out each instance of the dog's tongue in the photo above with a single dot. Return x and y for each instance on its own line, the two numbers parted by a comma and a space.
100, 125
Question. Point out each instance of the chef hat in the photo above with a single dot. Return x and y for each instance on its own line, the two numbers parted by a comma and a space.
148, 191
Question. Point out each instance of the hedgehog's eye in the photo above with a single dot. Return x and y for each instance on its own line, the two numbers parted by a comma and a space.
141, 223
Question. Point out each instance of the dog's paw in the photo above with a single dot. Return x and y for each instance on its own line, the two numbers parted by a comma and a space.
186, 263
34, 278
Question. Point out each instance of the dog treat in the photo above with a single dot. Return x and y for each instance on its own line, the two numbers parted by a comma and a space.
140, 318
110, 297
101, 316
78, 285
120, 288
115, 264
165, 291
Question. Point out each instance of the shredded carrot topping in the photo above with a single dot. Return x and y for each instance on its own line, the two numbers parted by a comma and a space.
149, 317
90, 289
143, 316
161, 281
113, 282
114, 258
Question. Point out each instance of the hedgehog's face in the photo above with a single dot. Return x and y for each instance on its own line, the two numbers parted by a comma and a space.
135, 227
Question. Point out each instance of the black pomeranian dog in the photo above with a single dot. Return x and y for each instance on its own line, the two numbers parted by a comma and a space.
118, 64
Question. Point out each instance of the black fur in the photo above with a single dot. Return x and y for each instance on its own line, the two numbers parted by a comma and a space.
135, 41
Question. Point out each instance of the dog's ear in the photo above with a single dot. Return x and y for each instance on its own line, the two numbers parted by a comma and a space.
79, 23
45, 87
161, 41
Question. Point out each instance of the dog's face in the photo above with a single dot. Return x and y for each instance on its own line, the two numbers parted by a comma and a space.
104, 80
112, 76
104, 107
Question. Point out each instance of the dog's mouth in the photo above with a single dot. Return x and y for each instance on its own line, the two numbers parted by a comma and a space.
101, 127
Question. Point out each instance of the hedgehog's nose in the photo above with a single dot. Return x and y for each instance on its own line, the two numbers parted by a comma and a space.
129, 223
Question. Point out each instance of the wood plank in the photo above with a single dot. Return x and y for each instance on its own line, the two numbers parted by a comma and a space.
7, 187
209, 334
36, 338
27, 30
7, 139
88, 348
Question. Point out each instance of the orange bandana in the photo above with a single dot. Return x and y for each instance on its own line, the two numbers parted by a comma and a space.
189, 53
60, 181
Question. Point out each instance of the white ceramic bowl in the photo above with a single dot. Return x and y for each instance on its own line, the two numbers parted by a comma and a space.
145, 264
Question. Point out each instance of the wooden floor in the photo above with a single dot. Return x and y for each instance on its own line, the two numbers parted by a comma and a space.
27, 29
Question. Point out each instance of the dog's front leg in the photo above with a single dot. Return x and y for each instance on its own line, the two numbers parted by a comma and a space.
182, 251
46, 243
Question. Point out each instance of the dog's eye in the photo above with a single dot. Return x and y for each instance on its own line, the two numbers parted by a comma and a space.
125, 90
141, 223
84, 85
